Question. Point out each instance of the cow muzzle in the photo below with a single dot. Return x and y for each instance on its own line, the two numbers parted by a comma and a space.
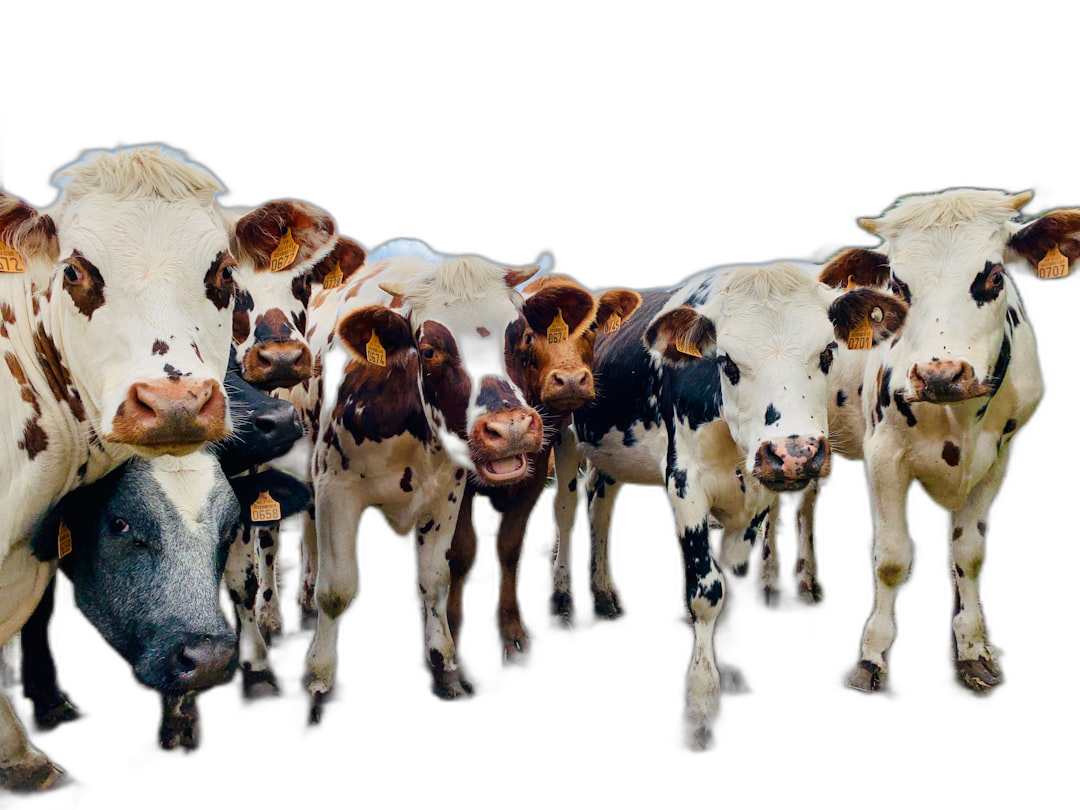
281, 364
792, 463
567, 390
174, 416
944, 381
502, 440
200, 662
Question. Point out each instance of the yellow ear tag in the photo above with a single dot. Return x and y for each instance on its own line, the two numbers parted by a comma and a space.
333, 278
559, 331
861, 337
1054, 264
265, 508
687, 348
284, 253
63, 541
614, 324
376, 354
10, 261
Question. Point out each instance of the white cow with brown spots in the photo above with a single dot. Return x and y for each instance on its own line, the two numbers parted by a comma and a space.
942, 403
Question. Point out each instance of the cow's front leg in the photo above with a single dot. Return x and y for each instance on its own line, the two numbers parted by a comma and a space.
309, 568
242, 582
893, 551
51, 706
511, 537
267, 604
462, 555
601, 491
770, 560
567, 460
806, 566
337, 517
22, 766
705, 589
433, 538
975, 664
179, 722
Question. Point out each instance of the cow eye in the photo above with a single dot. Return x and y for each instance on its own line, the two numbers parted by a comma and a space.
528, 339
428, 354
226, 273
996, 279
119, 526
72, 274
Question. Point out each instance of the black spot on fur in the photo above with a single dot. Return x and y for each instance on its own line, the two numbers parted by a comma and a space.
904, 408
841, 398
951, 453
772, 415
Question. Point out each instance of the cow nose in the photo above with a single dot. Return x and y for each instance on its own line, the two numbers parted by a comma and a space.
568, 389
200, 662
280, 426
172, 413
792, 463
945, 381
278, 365
503, 433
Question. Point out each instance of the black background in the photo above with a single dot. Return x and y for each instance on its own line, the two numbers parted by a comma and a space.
638, 181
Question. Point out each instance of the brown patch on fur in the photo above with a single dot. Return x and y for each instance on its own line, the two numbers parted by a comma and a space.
161, 347
347, 255
866, 268
218, 280
26, 231
56, 373
686, 326
7, 315
623, 303
951, 453
89, 292
242, 315
1061, 228
258, 233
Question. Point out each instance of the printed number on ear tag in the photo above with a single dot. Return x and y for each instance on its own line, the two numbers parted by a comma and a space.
63, 541
376, 354
861, 337
559, 331
333, 278
10, 261
265, 508
687, 348
285, 253
614, 324
1054, 264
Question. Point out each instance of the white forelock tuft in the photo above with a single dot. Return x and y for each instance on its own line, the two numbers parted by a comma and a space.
141, 172
957, 206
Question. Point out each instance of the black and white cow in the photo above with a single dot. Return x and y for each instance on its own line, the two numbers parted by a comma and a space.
941, 403
717, 390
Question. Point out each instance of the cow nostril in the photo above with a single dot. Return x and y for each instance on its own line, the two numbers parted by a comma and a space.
265, 425
491, 431
557, 380
185, 662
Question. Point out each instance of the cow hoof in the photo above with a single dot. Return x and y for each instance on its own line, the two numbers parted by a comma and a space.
562, 605
741, 569
179, 732
700, 737
451, 685
35, 772
732, 681
810, 591
316, 711
309, 618
515, 650
48, 714
269, 620
259, 683
866, 677
771, 595
980, 675
606, 605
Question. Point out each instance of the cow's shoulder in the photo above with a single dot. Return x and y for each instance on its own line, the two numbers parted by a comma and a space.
376, 403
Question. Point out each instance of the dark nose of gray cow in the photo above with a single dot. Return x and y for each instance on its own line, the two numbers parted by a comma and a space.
204, 661
278, 428
792, 463
945, 381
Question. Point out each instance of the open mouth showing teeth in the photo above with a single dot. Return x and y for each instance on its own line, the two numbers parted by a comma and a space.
504, 469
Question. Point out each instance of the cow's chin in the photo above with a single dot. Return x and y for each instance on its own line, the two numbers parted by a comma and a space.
949, 396
566, 404
786, 484
156, 450
502, 471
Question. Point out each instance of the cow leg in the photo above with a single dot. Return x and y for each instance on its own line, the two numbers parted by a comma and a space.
806, 566
267, 605
309, 567
51, 706
893, 552
179, 722
337, 519
567, 460
22, 766
433, 552
770, 560
242, 582
601, 491
511, 537
975, 664
462, 555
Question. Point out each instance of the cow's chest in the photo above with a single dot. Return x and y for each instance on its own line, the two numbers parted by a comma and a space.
713, 465
633, 456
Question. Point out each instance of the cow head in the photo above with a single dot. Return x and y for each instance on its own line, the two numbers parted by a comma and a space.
276, 247
945, 254
773, 332
551, 344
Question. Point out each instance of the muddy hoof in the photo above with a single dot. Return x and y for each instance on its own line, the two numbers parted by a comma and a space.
699, 733
515, 650
35, 772
866, 677
732, 681
180, 729
309, 618
259, 683
48, 714
316, 710
451, 685
979, 675
771, 595
562, 605
810, 592
606, 605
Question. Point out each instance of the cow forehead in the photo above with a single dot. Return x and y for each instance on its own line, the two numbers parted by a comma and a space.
944, 254
759, 335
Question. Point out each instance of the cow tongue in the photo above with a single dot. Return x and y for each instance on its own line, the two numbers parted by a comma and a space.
503, 466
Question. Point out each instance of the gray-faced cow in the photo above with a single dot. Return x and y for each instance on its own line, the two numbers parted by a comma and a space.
115, 320
716, 390
942, 403
550, 351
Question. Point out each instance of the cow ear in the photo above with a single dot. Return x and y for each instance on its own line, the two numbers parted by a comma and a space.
347, 256
1058, 229
370, 330
884, 312
680, 336
622, 303
30, 234
858, 266
567, 301
283, 235
291, 494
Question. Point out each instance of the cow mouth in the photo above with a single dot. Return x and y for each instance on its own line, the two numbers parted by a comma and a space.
567, 404
936, 395
503, 470
785, 484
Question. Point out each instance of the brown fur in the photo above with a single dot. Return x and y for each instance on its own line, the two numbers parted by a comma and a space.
1037, 238
219, 289
56, 373
347, 254
686, 326
258, 234
26, 231
88, 292
866, 268
851, 309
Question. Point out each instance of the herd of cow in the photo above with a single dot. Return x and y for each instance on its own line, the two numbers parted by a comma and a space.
163, 350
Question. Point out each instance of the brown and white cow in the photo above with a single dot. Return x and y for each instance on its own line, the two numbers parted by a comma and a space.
115, 319
550, 358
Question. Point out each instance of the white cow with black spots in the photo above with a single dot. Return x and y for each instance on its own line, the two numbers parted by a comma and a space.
717, 390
